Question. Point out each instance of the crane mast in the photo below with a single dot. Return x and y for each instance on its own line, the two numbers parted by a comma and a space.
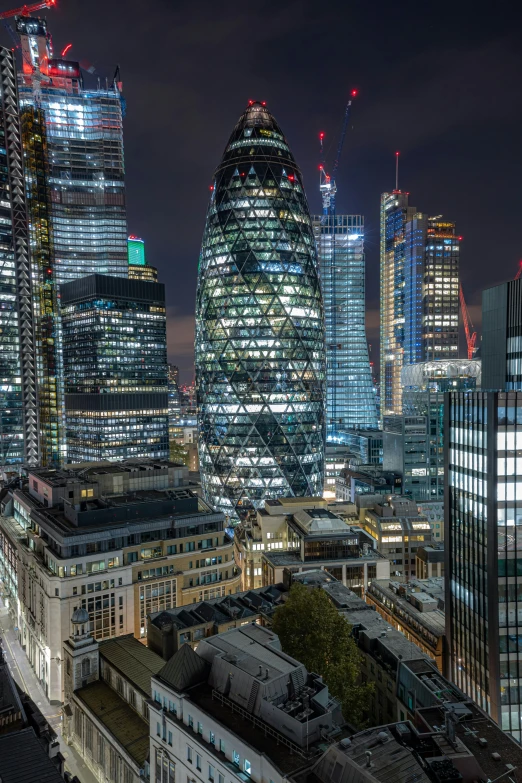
327, 186
471, 335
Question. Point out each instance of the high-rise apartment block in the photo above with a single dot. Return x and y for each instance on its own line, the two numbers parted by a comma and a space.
19, 441
419, 293
351, 402
501, 347
260, 356
115, 369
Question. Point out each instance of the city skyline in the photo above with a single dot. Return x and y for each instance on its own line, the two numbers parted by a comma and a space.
440, 151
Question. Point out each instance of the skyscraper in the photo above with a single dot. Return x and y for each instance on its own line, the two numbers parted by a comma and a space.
73, 154
115, 369
395, 213
351, 402
501, 347
81, 120
260, 356
18, 392
483, 570
483, 514
139, 269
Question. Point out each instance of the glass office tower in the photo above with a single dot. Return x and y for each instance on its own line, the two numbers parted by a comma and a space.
84, 130
395, 213
18, 393
351, 402
260, 355
115, 369
483, 551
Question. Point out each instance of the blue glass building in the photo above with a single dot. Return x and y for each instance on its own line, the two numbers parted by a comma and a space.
260, 358
351, 401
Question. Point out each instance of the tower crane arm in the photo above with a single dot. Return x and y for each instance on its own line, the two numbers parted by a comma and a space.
471, 335
27, 10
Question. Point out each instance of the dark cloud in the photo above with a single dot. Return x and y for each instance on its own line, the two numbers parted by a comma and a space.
439, 83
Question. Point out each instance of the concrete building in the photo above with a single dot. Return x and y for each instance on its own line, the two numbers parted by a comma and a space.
335, 458
107, 688
429, 561
416, 608
398, 530
237, 709
355, 480
297, 534
365, 445
120, 541
169, 629
463, 747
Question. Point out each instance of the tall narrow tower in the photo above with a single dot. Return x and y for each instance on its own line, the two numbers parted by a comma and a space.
395, 213
18, 392
71, 124
260, 357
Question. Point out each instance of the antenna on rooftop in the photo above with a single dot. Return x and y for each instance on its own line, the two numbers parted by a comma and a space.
397, 170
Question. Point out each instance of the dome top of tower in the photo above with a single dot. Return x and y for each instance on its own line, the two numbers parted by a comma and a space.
80, 616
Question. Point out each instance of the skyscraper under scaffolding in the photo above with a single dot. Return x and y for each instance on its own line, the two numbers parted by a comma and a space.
73, 149
351, 400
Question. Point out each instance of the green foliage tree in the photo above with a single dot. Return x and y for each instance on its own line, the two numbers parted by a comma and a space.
311, 630
178, 453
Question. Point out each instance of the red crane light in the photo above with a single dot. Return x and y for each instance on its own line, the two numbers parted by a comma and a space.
519, 271
26, 10
69, 46
354, 93
321, 135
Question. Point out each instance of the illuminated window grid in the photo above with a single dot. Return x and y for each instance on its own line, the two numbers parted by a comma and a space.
155, 597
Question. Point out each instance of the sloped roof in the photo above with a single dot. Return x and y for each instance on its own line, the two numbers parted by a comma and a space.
136, 662
129, 729
184, 669
23, 759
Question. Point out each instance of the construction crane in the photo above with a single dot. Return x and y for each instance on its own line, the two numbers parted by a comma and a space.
519, 271
471, 335
327, 185
27, 10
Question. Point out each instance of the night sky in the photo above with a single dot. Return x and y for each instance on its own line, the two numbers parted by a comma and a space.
439, 82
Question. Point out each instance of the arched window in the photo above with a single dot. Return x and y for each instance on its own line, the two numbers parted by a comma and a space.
86, 667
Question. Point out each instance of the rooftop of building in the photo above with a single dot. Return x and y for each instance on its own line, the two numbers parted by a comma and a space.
241, 606
428, 594
135, 662
81, 471
252, 654
165, 507
290, 505
431, 554
129, 729
24, 760
320, 521
291, 558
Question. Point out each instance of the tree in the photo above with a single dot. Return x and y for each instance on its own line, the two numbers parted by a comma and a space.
311, 630
178, 453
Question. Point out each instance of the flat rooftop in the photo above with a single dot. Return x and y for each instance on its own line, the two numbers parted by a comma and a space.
289, 558
128, 728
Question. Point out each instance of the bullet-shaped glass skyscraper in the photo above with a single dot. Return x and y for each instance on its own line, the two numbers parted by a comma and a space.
260, 356
351, 402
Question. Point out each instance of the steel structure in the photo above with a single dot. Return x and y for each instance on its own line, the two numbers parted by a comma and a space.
260, 371
471, 335
27, 10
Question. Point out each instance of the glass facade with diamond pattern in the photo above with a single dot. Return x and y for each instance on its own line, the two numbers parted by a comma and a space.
260, 353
